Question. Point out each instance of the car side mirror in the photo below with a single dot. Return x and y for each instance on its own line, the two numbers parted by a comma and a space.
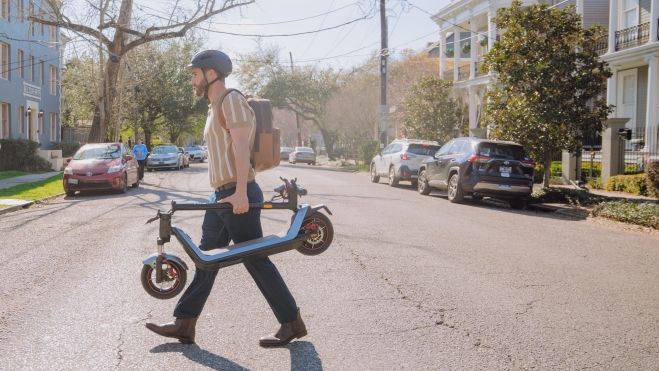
129, 157
68, 160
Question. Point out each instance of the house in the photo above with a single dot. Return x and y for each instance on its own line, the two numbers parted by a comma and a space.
467, 34
30, 56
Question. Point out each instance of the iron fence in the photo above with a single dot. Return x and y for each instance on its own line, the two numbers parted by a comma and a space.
463, 73
591, 158
77, 134
633, 36
639, 151
448, 75
477, 67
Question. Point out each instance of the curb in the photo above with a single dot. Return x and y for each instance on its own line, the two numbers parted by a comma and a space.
27, 205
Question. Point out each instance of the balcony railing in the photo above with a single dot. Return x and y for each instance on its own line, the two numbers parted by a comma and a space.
602, 45
632, 36
448, 75
463, 73
477, 68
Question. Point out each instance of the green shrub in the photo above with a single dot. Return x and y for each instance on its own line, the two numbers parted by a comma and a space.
68, 147
565, 196
596, 183
652, 178
585, 170
630, 211
21, 155
634, 184
368, 149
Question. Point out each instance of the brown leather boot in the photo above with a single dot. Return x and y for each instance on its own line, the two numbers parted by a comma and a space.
286, 333
181, 329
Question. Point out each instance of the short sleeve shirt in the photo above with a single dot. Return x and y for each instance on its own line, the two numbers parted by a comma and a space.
221, 148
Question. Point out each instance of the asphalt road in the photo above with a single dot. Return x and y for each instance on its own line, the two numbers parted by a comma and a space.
410, 282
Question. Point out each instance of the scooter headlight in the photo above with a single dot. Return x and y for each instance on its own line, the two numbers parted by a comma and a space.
68, 170
114, 169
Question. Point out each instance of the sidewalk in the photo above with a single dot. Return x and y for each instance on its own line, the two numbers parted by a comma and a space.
10, 182
602, 192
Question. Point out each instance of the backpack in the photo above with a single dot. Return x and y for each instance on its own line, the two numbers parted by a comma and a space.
265, 153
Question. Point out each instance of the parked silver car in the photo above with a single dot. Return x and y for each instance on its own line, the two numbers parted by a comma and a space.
285, 152
401, 160
164, 157
302, 154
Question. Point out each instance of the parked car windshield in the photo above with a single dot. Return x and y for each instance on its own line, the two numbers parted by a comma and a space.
303, 149
507, 151
423, 150
286, 149
164, 150
192, 148
102, 152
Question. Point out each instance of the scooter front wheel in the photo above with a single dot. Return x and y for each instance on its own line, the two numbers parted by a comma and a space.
322, 233
174, 277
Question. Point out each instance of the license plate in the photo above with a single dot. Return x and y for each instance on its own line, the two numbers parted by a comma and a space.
505, 169
505, 175
504, 186
73, 181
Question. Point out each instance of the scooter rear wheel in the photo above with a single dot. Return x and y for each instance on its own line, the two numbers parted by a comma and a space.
321, 238
174, 277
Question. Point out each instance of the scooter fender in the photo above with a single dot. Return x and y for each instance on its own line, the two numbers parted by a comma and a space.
151, 260
314, 208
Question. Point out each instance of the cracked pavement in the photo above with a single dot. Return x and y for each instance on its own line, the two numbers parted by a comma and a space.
410, 282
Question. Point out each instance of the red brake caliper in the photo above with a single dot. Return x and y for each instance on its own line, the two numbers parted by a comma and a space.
171, 272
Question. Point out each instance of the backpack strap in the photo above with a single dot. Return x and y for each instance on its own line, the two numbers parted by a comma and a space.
220, 111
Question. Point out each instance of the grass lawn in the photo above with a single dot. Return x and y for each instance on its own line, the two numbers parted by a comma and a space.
358, 167
35, 190
11, 174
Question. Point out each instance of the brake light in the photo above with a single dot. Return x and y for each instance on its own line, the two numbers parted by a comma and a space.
404, 156
475, 158
528, 163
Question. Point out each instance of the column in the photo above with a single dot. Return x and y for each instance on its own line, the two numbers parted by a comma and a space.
654, 20
612, 91
652, 122
456, 53
474, 48
472, 108
611, 148
491, 29
613, 24
442, 50
571, 167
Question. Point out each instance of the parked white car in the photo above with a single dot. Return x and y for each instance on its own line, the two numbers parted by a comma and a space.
196, 153
401, 160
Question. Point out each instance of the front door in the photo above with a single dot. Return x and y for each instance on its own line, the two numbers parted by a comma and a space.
627, 98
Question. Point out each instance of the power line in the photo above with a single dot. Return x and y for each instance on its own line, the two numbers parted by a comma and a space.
321, 25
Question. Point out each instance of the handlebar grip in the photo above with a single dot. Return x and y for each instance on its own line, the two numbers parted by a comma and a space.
302, 191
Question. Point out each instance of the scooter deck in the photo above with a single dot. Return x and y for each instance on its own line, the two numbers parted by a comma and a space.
286, 240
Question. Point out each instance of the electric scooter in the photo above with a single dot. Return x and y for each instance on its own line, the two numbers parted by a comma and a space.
309, 231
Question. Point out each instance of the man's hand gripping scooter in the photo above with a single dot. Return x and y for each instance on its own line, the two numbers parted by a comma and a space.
309, 231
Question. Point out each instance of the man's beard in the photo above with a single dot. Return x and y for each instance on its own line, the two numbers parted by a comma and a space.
199, 90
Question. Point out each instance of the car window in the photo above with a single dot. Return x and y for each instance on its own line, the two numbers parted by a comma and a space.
164, 150
456, 147
422, 149
387, 149
99, 152
303, 149
192, 148
444, 150
125, 151
501, 150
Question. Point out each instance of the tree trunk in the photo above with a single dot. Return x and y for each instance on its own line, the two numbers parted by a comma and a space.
545, 181
147, 139
329, 138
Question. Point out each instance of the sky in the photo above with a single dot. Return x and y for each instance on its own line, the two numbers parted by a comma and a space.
409, 26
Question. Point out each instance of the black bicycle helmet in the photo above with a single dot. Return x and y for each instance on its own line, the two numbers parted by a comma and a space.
212, 59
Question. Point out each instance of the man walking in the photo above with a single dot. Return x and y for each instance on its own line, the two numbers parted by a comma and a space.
140, 155
232, 177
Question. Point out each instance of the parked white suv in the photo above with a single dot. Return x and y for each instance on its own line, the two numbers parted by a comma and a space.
401, 160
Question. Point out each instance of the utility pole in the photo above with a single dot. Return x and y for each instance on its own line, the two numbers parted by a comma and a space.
383, 109
297, 119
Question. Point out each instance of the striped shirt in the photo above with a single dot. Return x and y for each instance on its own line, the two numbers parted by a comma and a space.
221, 148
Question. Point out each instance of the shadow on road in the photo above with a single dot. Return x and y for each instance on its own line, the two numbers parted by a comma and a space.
304, 357
203, 357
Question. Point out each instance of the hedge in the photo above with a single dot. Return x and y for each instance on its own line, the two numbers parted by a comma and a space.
652, 178
634, 184
368, 150
645, 213
21, 155
68, 147
570, 196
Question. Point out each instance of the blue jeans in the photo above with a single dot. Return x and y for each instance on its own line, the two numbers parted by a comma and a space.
220, 227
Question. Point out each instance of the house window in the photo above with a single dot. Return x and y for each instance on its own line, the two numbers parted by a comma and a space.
20, 63
30, 66
53, 80
21, 114
41, 72
4, 119
53, 126
40, 124
30, 11
52, 32
4, 12
4, 56
629, 13
19, 9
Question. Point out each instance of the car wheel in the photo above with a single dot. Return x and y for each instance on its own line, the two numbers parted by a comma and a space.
393, 182
415, 183
517, 203
455, 193
136, 184
124, 188
477, 198
374, 176
422, 185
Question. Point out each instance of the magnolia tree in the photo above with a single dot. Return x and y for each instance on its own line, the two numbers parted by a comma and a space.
116, 28
549, 81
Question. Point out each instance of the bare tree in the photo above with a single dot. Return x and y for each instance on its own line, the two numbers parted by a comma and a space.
111, 24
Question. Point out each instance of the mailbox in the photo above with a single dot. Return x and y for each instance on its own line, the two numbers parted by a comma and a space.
625, 134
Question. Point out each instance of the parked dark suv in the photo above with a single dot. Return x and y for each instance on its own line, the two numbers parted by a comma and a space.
479, 168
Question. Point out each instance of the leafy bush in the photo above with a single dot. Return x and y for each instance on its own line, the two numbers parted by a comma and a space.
634, 184
368, 149
68, 147
596, 183
631, 211
652, 178
566, 196
585, 170
21, 155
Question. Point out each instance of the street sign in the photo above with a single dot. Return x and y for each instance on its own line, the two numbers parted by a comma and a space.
383, 112
383, 124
